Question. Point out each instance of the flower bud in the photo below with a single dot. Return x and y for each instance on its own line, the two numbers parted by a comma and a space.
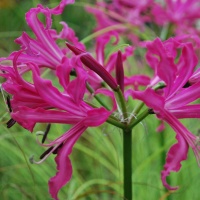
92, 64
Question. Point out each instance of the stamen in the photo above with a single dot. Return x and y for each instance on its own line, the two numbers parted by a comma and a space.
73, 72
45, 155
3, 71
49, 150
8, 103
46, 152
187, 85
56, 150
10, 123
38, 133
31, 159
151, 111
46, 133
158, 86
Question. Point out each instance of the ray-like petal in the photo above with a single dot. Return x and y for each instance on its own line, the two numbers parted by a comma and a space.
59, 9
137, 80
52, 95
182, 131
78, 84
93, 118
28, 117
186, 65
64, 166
37, 51
68, 140
149, 97
188, 111
184, 96
63, 72
44, 41
68, 34
162, 62
177, 153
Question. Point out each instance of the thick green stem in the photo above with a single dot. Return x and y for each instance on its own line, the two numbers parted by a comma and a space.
127, 153
127, 162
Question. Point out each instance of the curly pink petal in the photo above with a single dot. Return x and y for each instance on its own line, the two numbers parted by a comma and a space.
177, 154
64, 166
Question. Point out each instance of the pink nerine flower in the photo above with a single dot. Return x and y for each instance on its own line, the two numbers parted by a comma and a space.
78, 76
177, 11
174, 100
121, 15
43, 49
119, 11
41, 102
183, 14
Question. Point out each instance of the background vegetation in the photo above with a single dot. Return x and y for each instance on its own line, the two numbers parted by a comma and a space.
97, 156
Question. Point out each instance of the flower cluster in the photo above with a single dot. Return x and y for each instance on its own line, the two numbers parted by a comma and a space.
146, 19
172, 102
39, 101
169, 92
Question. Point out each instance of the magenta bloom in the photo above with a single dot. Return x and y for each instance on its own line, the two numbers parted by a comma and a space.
119, 13
41, 102
174, 100
79, 76
176, 17
183, 14
43, 50
177, 11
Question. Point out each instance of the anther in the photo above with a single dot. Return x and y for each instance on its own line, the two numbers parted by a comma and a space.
8, 103
46, 152
73, 72
10, 123
56, 150
187, 85
46, 133
150, 111
31, 159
